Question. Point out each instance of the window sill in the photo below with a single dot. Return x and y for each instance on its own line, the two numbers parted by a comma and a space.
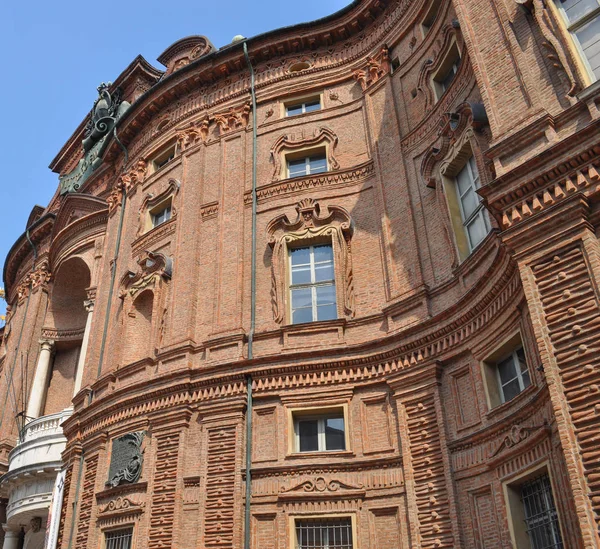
320, 454
324, 333
506, 405
589, 92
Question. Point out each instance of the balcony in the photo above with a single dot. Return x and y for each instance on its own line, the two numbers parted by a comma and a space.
32, 468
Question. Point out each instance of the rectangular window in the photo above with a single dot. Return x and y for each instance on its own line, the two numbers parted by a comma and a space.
161, 216
473, 214
312, 284
431, 16
328, 533
163, 158
447, 80
513, 375
320, 433
446, 72
541, 518
583, 21
307, 165
308, 105
119, 539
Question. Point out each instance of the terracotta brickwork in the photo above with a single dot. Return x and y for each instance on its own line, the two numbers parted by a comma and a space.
136, 303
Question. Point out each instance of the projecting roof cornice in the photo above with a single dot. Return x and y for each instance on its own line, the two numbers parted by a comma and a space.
211, 66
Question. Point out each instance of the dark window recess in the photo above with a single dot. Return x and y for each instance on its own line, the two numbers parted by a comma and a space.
119, 539
324, 534
541, 518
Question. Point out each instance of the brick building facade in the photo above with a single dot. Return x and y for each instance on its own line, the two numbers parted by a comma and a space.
406, 307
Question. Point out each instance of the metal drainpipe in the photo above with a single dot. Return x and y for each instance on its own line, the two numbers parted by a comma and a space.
35, 255
252, 313
113, 273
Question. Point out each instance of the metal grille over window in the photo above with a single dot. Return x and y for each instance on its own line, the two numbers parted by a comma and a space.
119, 539
324, 534
312, 284
474, 217
541, 518
583, 20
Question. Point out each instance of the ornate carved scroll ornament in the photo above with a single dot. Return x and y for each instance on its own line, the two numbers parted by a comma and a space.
320, 484
517, 434
309, 225
295, 142
193, 133
121, 505
377, 66
552, 45
133, 469
151, 200
153, 268
232, 119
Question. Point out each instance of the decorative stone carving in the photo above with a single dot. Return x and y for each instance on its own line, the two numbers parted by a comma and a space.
115, 198
320, 484
151, 200
292, 143
184, 51
309, 224
121, 504
552, 45
233, 119
107, 109
126, 459
153, 267
376, 68
193, 133
517, 434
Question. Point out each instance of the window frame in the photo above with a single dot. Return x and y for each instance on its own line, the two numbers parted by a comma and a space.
156, 212
307, 156
164, 156
313, 285
321, 432
302, 102
307, 412
452, 60
479, 212
120, 528
294, 542
572, 27
515, 509
430, 17
519, 375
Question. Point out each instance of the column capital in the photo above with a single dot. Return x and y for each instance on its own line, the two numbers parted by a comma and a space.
47, 344
89, 305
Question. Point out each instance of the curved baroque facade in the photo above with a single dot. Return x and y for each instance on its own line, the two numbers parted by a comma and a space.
410, 359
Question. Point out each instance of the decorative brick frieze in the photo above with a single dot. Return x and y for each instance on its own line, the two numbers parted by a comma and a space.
88, 488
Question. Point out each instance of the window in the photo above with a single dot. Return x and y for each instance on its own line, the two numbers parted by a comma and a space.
163, 158
312, 284
513, 375
533, 514
308, 105
320, 433
161, 215
447, 71
119, 539
430, 17
331, 533
474, 217
307, 165
583, 22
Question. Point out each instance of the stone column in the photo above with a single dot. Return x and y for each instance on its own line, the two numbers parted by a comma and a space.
11, 538
40, 380
89, 307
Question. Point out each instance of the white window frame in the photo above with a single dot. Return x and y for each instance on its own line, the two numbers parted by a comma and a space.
164, 157
480, 211
307, 159
313, 285
302, 104
155, 216
324, 520
518, 377
574, 26
321, 424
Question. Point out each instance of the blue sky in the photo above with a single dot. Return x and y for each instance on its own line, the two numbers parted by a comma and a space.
56, 54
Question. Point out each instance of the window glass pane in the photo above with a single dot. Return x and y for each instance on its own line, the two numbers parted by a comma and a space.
318, 164
294, 109
325, 295
589, 37
477, 229
327, 312
511, 390
323, 253
297, 167
308, 433
313, 106
302, 315
301, 297
464, 181
334, 434
576, 9
470, 202
507, 370
323, 272
300, 256
301, 274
